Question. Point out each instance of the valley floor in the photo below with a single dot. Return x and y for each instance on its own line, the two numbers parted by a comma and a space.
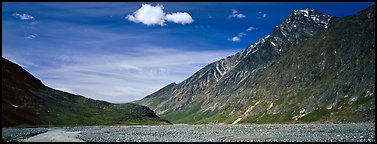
355, 132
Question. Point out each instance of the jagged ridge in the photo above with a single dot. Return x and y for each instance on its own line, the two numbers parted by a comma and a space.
297, 24
282, 77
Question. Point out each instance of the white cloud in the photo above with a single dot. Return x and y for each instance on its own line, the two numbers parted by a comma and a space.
155, 15
238, 38
179, 17
148, 15
210, 17
250, 29
241, 34
235, 39
32, 36
236, 14
123, 77
261, 15
23, 16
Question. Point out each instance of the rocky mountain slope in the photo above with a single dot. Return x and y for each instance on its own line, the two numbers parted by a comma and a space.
311, 67
28, 102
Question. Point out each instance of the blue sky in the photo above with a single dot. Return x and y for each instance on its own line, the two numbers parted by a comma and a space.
121, 52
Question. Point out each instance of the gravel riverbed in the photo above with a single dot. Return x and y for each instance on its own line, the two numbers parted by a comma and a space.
355, 132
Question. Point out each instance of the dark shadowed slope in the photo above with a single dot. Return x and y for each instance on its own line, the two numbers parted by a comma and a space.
26, 101
311, 68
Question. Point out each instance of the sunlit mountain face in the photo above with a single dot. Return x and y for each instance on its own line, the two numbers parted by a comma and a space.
121, 52
313, 67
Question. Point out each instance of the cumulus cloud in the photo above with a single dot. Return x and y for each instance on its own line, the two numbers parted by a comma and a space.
155, 15
179, 17
235, 14
23, 16
148, 15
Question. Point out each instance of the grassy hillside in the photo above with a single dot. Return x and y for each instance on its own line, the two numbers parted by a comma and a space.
27, 102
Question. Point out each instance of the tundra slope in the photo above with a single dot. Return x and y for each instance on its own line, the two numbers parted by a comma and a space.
311, 68
28, 102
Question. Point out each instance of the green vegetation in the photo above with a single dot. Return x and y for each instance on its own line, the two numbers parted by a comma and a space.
315, 115
362, 100
57, 108
189, 114
44, 107
217, 118
269, 118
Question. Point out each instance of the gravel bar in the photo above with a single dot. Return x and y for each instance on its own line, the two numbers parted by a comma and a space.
15, 134
354, 132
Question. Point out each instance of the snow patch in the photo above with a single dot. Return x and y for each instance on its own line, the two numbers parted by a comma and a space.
214, 74
271, 105
237, 120
305, 12
283, 33
273, 43
174, 91
326, 23
315, 18
218, 68
14, 105
254, 51
302, 114
252, 107
254, 47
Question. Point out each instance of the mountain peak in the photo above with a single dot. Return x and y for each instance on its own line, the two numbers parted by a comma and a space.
308, 16
287, 75
303, 11
298, 26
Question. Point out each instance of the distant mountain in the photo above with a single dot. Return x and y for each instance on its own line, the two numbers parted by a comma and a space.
311, 67
28, 102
